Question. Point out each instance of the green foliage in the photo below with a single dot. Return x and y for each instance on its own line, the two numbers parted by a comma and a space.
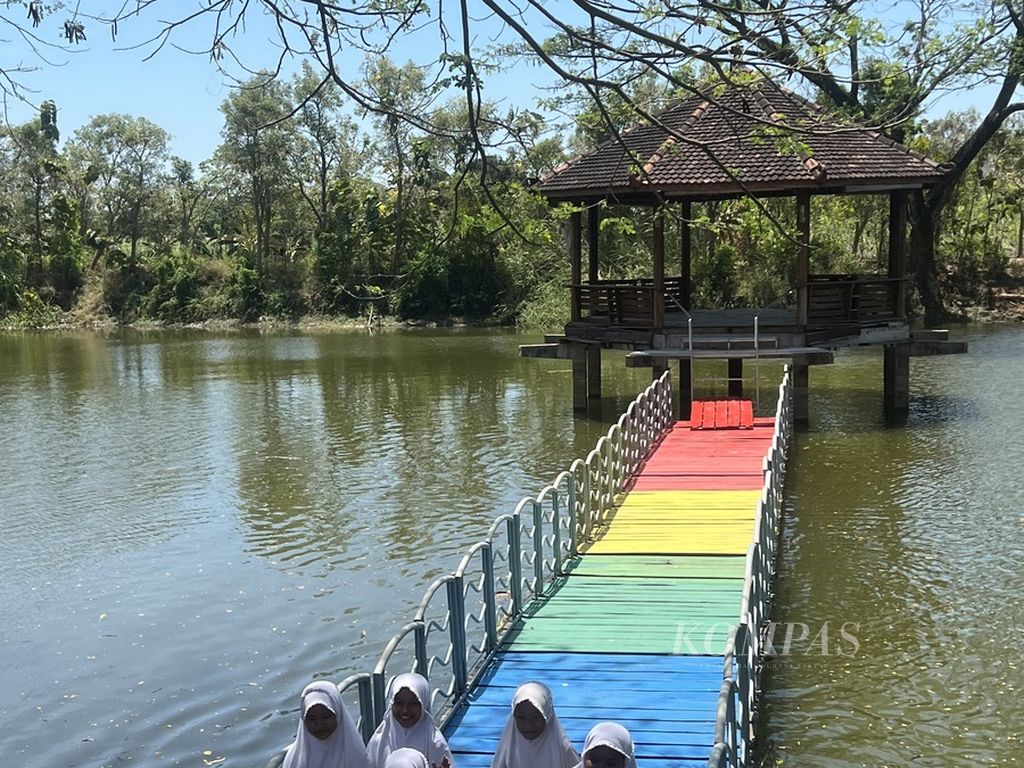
12, 260
33, 312
65, 262
175, 287
546, 309
336, 248
425, 292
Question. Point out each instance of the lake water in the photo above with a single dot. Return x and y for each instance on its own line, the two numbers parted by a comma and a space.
195, 524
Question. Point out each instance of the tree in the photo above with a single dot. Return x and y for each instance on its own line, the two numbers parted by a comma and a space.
325, 146
37, 169
258, 142
398, 91
188, 193
125, 158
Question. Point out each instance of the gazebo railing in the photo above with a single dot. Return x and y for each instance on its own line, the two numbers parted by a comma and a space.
625, 302
852, 299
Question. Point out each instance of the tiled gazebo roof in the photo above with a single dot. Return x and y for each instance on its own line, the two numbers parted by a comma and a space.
772, 141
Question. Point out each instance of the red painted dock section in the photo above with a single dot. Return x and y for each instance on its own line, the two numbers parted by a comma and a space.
705, 459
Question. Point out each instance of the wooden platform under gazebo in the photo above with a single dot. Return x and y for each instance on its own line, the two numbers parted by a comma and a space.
724, 146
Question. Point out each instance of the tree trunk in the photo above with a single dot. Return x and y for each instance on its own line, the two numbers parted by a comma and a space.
399, 252
923, 235
858, 233
1020, 234
34, 264
136, 215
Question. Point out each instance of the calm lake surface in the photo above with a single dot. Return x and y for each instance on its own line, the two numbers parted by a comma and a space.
195, 524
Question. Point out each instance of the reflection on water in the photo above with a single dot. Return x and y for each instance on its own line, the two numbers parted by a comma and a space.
196, 524
912, 535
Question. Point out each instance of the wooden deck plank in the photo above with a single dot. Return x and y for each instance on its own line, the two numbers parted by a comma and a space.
726, 543
663, 566
684, 501
708, 635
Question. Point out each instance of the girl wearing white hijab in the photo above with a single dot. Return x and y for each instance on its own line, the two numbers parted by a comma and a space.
327, 737
533, 737
408, 723
406, 758
608, 745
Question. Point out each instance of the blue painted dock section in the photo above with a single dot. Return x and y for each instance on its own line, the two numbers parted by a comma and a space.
667, 702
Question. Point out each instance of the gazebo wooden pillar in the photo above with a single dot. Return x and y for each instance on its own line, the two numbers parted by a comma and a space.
659, 269
686, 252
577, 352
593, 231
896, 357
659, 366
685, 298
801, 383
575, 261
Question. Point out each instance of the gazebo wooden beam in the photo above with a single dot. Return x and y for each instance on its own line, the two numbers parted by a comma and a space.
659, 268
803, 256
898, 247
593, 231
575, 261
686, 250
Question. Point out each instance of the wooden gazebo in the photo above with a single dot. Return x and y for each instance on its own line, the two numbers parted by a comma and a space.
754, 139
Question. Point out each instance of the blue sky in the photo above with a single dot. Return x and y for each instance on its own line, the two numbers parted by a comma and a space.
178, 91
182, 93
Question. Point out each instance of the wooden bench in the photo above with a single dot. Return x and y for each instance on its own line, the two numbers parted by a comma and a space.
729, 413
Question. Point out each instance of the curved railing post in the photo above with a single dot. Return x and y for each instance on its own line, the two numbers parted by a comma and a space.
556, 528
364, 687
609, 471
515, 564
457, 633
574, 517
588, 518
420, 649
742, 649
490, 598
379, 693
720, 757
538, 548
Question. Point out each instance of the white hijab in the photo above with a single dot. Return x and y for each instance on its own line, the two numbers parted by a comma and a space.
610, 735
552, 749
344, 747
406, 758
422, 736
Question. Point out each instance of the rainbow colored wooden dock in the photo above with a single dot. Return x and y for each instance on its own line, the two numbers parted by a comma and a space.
636, 627
637, 585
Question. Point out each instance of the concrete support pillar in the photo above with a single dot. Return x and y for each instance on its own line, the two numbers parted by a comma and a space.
896, 379
594, 373
578, 356
735, 376
801, 392
685, 389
